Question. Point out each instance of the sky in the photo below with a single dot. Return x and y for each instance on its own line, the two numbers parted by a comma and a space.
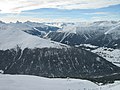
59, 10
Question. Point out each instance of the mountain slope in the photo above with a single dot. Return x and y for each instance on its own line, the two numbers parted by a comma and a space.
11, 38
37, 29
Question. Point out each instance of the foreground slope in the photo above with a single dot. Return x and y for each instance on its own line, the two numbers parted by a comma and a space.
22, 82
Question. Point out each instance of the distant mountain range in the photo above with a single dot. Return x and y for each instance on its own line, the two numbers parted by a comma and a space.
101, 33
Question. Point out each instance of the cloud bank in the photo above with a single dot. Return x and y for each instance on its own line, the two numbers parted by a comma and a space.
17, 6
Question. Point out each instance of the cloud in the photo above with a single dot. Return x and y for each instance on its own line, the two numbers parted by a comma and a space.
14, 18
105, 18
98, 13
18, 17
16, 6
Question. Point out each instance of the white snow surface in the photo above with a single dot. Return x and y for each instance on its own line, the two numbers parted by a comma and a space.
10, 38
88, 45
27, 82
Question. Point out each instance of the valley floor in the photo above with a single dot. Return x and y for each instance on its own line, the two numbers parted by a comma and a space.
27, 82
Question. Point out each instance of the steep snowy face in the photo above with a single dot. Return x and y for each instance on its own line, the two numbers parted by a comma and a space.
10, 38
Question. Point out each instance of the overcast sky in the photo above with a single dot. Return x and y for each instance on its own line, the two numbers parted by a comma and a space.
59, 10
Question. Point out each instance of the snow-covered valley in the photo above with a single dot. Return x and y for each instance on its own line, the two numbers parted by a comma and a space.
112, 55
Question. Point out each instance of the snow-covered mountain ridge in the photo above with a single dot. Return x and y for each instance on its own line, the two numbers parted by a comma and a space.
12, 37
